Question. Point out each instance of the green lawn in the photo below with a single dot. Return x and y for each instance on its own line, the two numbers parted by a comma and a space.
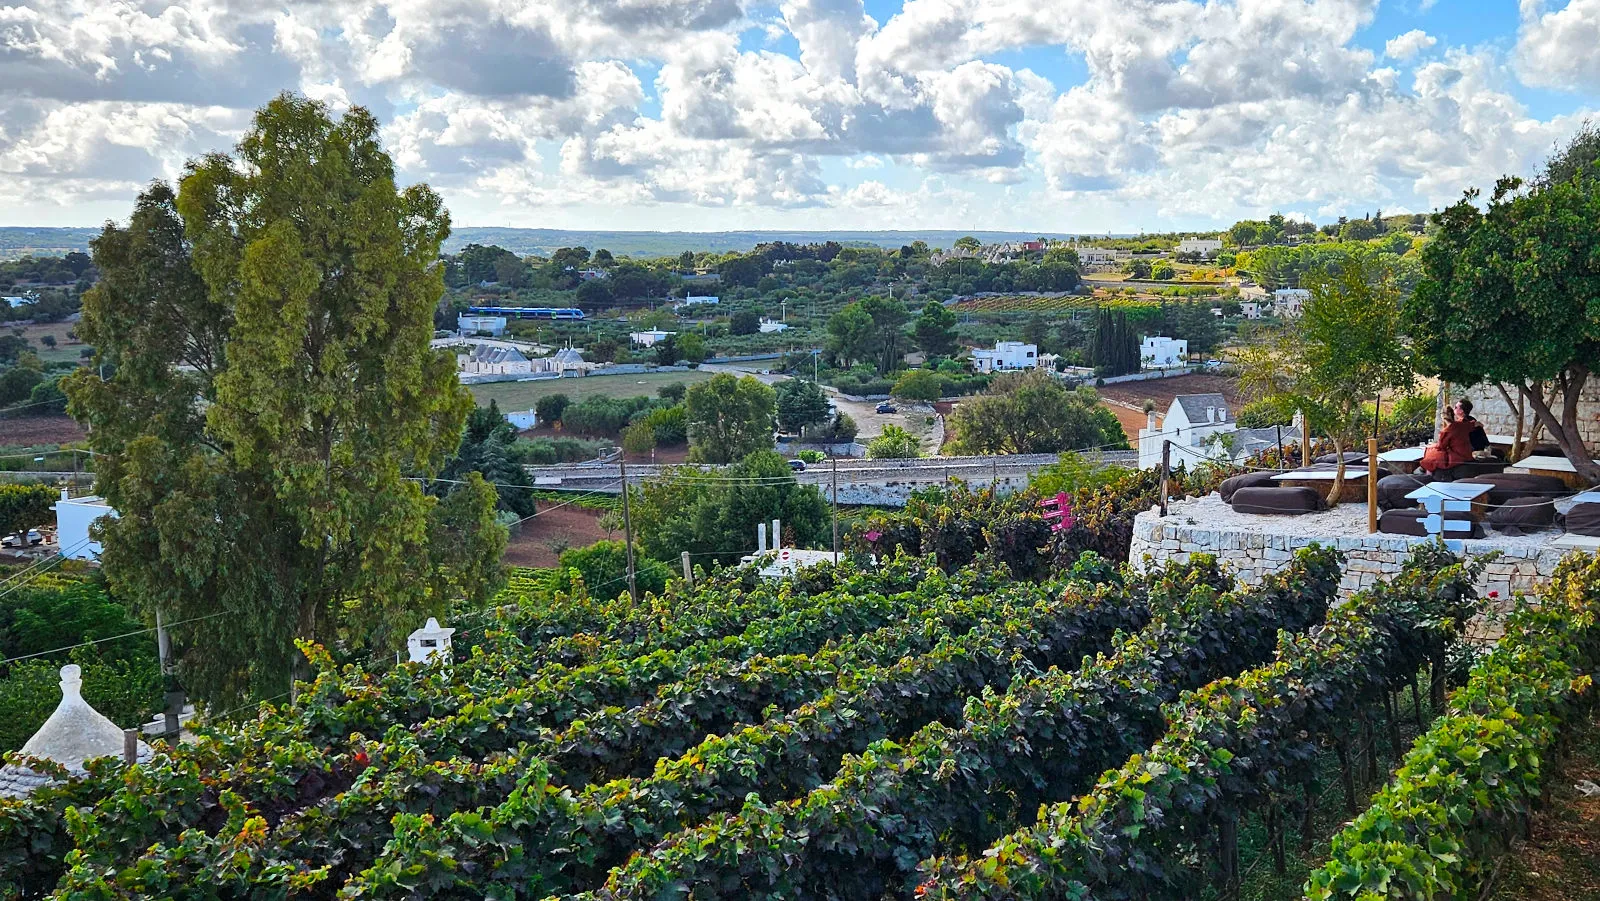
522, 395
67, 350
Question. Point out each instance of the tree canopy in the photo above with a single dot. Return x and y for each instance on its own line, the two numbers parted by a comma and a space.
1032, 413
729, 418
935, 330
270, 401
801, 403
1510, 296
715, 514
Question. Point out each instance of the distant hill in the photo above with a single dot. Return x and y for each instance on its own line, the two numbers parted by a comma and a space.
20, 241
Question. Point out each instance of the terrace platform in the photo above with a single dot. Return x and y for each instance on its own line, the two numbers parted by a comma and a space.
1256, 545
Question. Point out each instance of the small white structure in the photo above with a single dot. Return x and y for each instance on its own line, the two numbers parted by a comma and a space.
430, 642
1288, 302
567, 362
648, 339
74, 515
1006, 356
487, 358
1250, 309
472, 325
768, 326
523, 419
781, 562
75, 732
1157, 352
697, 300
1206, 247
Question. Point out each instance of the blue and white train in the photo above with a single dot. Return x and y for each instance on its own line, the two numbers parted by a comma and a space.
529, 312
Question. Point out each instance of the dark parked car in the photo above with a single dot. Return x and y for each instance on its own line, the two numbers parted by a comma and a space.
887, 407
797, 465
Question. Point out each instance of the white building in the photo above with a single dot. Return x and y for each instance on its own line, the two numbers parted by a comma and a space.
471, 325
781, 562
648, 339
523, 419
1006, 355
1161, 353
484, 358
1206, 247
1250, 309
768, 326
697, 300
74, 515
1199, 428
1289, 302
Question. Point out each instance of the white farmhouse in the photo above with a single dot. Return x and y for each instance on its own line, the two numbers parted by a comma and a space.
648, 339
1250, 309
1288, 302
1006, 355
697, 300
74, 515
485, 358
1162, 353
768, 326
472, 325
1199, 428
1206, 247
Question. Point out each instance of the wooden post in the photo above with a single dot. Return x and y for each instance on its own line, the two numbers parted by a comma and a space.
130, 746
1372, 485
627, 529
1280, 447
688, 571
1166, 471
835, 511
173, 695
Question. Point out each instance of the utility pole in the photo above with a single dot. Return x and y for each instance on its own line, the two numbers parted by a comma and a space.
173, 695
627, 530
688, 571
1166, 471
835, 511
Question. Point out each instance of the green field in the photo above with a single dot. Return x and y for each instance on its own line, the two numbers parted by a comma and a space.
522, 395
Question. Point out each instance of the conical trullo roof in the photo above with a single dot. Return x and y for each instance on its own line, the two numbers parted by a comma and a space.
75, 732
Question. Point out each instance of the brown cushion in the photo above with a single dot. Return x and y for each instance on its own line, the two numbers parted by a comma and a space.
1247, 480
1584, 519
1392, 490
1521, 515
1292, 501
1349, 458
1507, 485
1410, 522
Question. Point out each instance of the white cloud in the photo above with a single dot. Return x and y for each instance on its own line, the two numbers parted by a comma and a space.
1405, 46
1556, 47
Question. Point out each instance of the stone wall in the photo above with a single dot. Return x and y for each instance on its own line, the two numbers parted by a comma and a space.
1371, 558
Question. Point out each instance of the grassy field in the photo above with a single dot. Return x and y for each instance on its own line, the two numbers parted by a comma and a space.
522, 395
67, 350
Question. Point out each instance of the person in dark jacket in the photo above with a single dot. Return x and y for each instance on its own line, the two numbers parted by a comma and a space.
1453, 447
1476, 436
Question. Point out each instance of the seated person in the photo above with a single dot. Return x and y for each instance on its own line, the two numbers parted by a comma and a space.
1453, 447
1476, 436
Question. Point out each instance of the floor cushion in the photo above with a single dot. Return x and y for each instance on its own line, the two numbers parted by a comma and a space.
1471, 470
1247, 480
1349, 458
1392, 490
1411, 522
1521, 515
1507, 485
1584, 519
1291, 501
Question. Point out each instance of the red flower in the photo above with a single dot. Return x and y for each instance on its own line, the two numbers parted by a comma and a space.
360, 757
1494, 594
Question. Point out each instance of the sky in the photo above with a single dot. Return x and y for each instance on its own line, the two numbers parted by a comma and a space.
698, 115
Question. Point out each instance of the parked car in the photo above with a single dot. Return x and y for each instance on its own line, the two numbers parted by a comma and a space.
887, 407
797, 465
18, 540
1213, 365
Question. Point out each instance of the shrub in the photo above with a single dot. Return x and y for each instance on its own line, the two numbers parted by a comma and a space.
893, 444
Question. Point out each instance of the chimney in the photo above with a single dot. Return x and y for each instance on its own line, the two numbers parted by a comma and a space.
1211, 414
761, 538
777, 536
1150, 420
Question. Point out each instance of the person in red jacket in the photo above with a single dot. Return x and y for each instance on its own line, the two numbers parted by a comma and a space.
1453, 447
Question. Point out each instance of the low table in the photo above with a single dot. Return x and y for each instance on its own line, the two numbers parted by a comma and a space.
1453, 497
1402, 460
1355, 482
1550, 465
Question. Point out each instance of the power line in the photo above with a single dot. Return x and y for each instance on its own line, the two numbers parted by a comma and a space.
84, 644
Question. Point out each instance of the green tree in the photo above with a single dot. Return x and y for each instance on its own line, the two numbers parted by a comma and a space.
1343, 350
1508, 297
270, 398
850, 335
919, 385
1036, 331
968, 242
1139, 269
691, 347
894, 443
889, 317
801, 403
23, 507
729, 418
744, 322
17, 383
550, 407
488, 447
594, 294
666, 350
1162, 271
672, 393
714, 514
1032, 413
639, 438
604, 569
935, 330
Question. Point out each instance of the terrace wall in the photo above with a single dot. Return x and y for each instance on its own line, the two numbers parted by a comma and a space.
1498, 418
1256, 552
